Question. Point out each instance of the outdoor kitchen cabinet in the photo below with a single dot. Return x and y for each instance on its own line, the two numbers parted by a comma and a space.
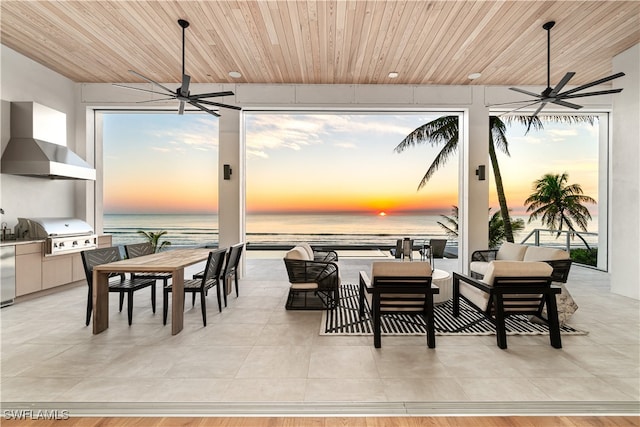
28, 268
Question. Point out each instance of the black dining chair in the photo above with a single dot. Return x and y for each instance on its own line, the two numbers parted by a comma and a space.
230, 268
135, 250
122, 285
210, 278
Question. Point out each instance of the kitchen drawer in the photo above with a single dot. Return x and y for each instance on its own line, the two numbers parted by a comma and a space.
29, 248
57, 270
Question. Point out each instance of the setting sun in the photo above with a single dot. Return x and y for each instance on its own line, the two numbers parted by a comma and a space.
382, 214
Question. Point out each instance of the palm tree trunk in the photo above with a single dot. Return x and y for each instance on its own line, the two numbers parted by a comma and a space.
502, 200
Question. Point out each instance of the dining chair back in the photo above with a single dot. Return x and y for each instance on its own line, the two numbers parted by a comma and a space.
94, 257
211, 277
231, 269
135, 250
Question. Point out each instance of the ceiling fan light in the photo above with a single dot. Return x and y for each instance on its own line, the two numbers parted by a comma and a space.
235, 74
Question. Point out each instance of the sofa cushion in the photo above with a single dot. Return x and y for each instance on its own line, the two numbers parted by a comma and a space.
511, 252
539, 253
298, 253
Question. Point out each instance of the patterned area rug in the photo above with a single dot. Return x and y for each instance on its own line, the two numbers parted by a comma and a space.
345, 320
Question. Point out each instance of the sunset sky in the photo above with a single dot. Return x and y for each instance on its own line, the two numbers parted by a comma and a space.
166, 163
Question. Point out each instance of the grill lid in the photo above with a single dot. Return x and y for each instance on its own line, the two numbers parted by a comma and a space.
45, 227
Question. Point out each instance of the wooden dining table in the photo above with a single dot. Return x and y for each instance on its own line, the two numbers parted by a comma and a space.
171, 261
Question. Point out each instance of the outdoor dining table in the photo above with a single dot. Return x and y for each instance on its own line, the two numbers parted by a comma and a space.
172, 261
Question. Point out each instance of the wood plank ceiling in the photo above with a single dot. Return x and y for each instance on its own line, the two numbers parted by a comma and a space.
317, 41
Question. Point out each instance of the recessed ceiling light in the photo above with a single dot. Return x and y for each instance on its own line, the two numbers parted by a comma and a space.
393, 75
474, 76
235, 74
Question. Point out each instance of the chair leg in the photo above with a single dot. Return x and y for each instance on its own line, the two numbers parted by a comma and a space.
431, 329
377, 341
456, 297
218, 295
121, 299
203, 305
89, 306
165, 305
130, 306
224, 289
193, 299
235, 277
153, 297
501, 331
554, 324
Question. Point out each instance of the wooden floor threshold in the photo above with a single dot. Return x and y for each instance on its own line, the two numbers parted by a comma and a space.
446, 421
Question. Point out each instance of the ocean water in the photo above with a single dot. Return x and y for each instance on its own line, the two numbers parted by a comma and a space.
285, 229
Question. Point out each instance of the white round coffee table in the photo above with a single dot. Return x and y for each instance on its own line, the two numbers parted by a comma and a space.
444, 281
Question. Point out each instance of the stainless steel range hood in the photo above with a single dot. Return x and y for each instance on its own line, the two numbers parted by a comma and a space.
38, 145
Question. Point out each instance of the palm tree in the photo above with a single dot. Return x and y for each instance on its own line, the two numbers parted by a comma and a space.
559, 204
445, 130
496, 226
154, 239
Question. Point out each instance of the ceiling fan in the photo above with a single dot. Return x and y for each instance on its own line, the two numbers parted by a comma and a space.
554, 95
182, 93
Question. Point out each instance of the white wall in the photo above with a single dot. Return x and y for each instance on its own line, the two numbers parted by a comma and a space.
25, 80
625, 177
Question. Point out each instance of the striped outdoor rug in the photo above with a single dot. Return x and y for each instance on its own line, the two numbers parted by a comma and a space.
345, 320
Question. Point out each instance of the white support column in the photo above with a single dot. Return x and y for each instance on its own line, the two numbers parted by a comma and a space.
625, 177
231, 204
473, 201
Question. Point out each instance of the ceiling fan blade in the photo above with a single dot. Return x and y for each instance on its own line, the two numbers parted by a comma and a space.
581, 95
205, 109
528, 101
233, 107
141, 90
181, 108
519, 108
526, 92
562, 83
567, 104
151, 81
184, 89
211, 95
156, 100
594, 83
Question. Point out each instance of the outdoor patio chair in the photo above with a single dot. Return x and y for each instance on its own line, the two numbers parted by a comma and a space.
135, 250
434, 249
210, 278
511, 288
121, 285
398, 288
320, 278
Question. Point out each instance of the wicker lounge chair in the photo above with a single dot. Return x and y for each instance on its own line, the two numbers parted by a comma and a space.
320, 278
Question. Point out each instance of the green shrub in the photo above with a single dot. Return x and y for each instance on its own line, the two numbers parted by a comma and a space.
585, 256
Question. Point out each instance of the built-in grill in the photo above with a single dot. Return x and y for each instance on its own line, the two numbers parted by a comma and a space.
62, 235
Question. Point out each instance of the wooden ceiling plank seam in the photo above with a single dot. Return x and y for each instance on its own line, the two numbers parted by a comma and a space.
407, 45
299, 30
254, 23
314, 42
329, 9
436, 49
280, 19
384, 17
461, 26
352, 24
270, 49
376, 10
398, 46
339, 47
361, 27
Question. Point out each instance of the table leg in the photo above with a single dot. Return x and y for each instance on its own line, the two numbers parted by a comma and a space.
177, 302
100, 301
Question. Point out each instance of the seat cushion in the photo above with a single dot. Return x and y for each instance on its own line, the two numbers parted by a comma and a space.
511, 252
538, 253
503, 269
298, 253
304, 286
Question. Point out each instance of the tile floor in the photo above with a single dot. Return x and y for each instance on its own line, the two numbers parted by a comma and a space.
257, 357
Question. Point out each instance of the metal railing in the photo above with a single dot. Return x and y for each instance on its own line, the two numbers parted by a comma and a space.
571, 239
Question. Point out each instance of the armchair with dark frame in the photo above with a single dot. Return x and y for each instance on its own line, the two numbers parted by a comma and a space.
397, 287
510, 288
306, 275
